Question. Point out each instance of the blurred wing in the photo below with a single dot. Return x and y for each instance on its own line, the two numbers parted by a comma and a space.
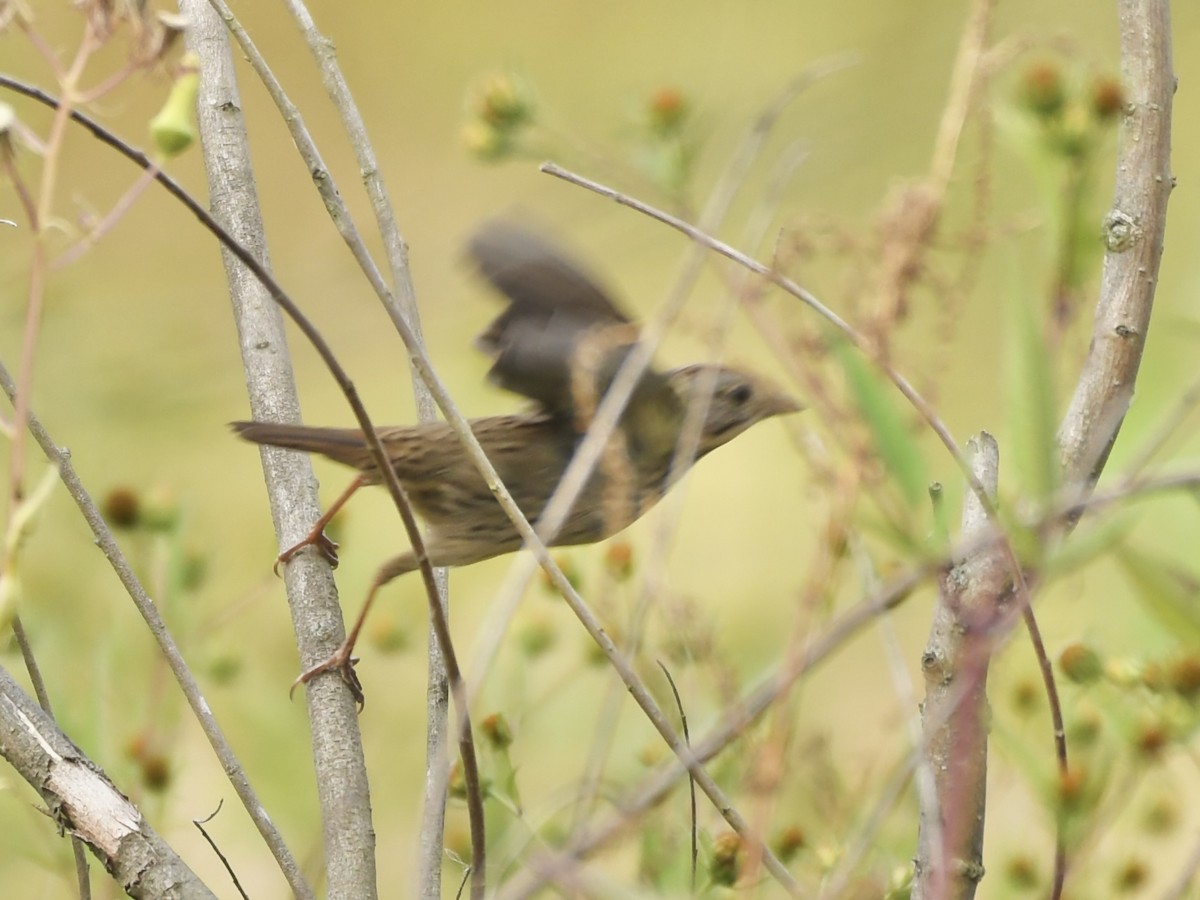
561, 339
553, 306
536, 277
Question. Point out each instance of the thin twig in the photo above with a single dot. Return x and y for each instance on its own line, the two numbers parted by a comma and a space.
200, 823
687, 737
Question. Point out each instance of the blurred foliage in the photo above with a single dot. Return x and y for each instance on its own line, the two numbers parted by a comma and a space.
881, 409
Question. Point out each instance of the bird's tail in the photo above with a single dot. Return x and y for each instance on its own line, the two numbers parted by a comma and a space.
344, 445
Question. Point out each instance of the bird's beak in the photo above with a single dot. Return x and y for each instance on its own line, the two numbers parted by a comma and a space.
782, 404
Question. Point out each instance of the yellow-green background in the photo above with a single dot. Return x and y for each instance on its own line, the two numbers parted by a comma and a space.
137, 373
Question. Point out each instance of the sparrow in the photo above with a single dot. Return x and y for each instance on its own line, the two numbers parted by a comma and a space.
559, 342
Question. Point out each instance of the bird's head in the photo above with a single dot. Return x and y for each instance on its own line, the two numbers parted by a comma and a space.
736, 401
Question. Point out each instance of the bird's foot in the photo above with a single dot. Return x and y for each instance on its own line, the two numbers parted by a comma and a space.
317, 538
342, 662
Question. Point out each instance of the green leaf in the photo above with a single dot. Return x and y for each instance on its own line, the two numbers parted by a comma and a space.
878, 403
1031, 403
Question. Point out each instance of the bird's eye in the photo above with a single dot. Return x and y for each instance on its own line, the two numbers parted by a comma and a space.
740, 394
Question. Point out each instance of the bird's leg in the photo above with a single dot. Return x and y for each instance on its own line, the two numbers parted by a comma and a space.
317, 537
342, 659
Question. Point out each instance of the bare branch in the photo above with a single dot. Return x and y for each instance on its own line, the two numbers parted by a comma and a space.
82, 800
1133, 236
949, 862
343, 789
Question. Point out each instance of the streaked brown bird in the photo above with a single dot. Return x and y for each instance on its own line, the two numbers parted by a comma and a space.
560, 342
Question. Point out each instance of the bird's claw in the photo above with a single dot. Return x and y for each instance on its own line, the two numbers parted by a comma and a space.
324, 544
341, 662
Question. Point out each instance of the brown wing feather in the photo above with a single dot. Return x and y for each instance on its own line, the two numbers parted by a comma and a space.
552, 305
538, 279
561, 339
